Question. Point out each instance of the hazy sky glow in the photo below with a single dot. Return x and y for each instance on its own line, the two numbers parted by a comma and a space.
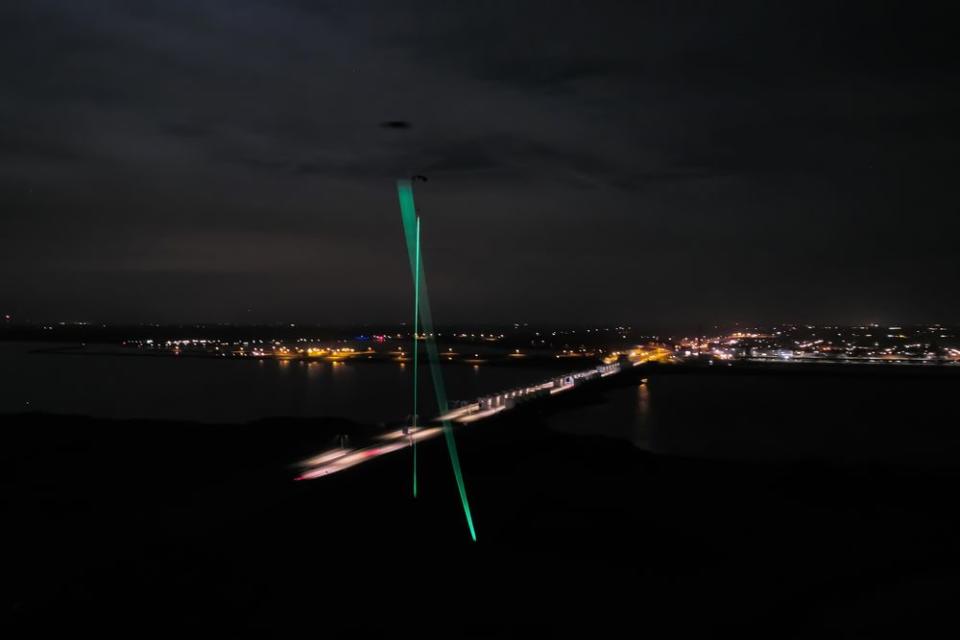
636, 162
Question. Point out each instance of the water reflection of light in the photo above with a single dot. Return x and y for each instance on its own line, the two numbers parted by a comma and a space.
642, 433
342, 370
643, 400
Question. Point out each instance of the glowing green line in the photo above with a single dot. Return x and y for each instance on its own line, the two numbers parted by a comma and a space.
433, 356
411, 233
416, 348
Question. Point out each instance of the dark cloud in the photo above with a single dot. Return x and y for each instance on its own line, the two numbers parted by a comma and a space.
656, 161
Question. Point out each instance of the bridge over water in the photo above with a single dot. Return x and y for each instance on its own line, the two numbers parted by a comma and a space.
341, 458
336, 460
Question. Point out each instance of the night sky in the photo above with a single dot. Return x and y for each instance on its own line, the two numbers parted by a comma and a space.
644, 163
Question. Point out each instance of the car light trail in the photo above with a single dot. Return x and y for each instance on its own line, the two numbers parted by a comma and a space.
337, 460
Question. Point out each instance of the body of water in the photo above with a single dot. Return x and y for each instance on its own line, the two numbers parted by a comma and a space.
847, 417
842, 418
230, 390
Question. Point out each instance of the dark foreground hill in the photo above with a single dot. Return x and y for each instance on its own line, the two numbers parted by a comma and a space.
135, 528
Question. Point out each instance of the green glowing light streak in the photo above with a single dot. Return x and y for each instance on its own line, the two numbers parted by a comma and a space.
411, 230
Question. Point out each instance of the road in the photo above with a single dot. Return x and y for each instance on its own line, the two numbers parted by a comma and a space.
335, 460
